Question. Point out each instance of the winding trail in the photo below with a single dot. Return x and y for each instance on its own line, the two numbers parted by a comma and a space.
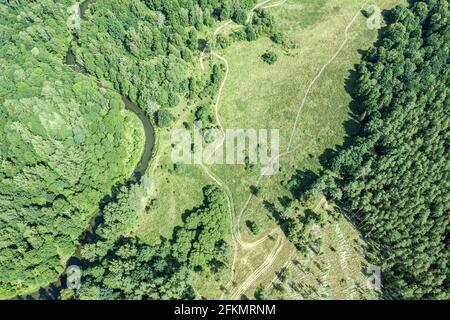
216, 179
260, 270
313, 82
275, 4
202, 55
236, 235
234, 225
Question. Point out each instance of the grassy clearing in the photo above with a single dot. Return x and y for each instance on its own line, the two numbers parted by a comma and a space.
339, 273
175, 190
261, 96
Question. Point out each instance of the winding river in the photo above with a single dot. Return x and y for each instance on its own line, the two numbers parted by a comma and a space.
53, 290
131, 106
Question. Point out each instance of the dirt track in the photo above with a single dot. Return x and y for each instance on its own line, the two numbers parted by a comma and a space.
235, 230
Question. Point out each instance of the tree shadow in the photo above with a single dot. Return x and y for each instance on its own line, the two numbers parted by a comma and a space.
326, 157
285, 201
269, 206
277, 215
202, 44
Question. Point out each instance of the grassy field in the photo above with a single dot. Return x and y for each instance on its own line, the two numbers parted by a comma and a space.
175, 190
262, 96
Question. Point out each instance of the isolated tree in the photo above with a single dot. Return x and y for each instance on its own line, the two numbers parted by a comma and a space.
278, 37
254, 227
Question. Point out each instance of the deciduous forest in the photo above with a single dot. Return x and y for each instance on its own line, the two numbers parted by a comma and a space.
68, 142
64, 144
116, 266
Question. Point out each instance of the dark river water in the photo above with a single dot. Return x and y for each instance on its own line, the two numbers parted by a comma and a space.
53, 291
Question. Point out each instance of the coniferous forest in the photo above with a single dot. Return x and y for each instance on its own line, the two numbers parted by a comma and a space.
394, 180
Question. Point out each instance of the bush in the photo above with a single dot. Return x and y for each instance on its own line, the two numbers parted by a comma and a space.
240, 17
251, 34
222, 41
238, 35
173, 99
277, 37
270, 57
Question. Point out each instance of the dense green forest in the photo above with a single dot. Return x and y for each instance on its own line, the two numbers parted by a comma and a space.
148, 50
68, 147
393, 180
117, 266
64, 144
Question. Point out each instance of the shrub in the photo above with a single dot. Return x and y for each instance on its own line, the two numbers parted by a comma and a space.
270, 57
240, 17
277, 37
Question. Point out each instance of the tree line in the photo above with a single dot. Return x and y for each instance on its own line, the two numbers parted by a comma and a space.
67, 143
393, 180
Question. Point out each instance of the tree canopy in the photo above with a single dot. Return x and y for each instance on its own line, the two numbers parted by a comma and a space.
66, 138
65, 143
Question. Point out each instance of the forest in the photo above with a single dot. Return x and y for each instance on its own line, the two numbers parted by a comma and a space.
147, 49
392, 180
69, 146
64, 144
117, 266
